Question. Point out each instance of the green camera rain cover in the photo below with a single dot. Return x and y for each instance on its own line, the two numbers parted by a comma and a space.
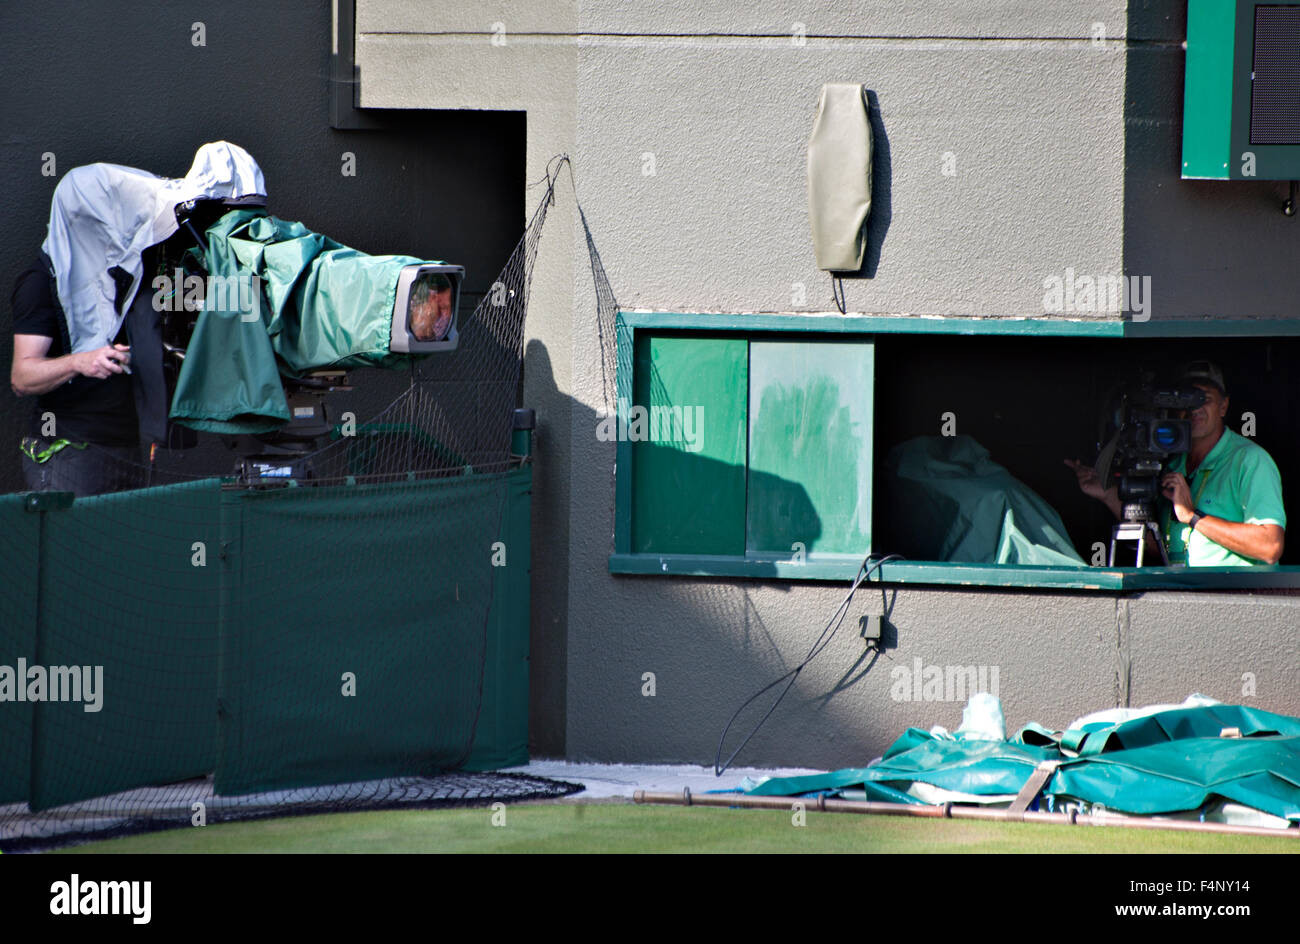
280, 300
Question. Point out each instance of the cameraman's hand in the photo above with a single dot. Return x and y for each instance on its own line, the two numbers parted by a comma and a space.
1175, 488
1089, 481
104, 362
1090, 484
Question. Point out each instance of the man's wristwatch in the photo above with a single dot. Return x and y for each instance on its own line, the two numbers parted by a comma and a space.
1197, 515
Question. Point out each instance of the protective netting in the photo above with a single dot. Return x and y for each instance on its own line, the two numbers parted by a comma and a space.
606, 320
193, 803
350, 609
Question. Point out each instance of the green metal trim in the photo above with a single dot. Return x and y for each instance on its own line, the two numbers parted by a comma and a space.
1093, 578
1208, 89
835, 323
1220, 328
623, 345
938, 573
1212, 578
631, 321
837, 568
993, 575
703, 565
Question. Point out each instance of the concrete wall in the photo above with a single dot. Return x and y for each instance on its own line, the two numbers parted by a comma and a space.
1029, 99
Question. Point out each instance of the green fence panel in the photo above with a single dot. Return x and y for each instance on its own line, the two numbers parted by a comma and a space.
286, 638
501, 736
356, 643
19, 562
129, 588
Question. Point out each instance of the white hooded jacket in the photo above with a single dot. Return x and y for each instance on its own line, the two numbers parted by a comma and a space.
104, 215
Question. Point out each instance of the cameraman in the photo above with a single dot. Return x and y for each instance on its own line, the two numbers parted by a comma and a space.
1224, 495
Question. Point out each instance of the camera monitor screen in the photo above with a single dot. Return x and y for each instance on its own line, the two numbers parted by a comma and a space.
424, 311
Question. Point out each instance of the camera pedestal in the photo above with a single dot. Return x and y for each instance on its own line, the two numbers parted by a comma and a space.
1136, 531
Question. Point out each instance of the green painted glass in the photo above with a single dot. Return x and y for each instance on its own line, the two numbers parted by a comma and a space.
810, 435
686, 426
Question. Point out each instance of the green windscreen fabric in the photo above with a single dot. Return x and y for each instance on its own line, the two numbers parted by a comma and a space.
947, 500
345, 667
130, 589
281, 638
280, 298
20, 535
501, 736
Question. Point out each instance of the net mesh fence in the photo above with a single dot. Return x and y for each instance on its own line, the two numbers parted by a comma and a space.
348, 632
193, 803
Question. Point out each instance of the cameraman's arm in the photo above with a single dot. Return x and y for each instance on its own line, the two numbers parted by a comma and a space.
34, 373
1261, 542
1090, 485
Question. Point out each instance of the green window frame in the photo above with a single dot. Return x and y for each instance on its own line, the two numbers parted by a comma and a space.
728, 508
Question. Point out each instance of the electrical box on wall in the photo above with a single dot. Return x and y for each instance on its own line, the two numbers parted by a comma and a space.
1241, 105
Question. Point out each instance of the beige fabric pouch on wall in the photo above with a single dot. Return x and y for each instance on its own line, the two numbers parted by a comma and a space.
839, 177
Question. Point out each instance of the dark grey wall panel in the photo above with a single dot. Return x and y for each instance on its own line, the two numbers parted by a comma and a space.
96, 80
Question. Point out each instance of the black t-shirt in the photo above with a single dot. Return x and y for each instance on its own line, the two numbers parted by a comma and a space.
85, 409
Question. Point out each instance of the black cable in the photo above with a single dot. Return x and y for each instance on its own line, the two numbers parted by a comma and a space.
864, 573
837, 290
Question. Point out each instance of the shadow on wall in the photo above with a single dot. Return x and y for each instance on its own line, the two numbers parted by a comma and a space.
731, 657
882, 175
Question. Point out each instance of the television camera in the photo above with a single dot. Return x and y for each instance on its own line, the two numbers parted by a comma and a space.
1145, 427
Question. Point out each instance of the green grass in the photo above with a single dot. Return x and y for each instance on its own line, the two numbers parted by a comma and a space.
623, 827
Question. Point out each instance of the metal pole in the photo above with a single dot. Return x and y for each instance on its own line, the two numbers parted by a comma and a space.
949, 811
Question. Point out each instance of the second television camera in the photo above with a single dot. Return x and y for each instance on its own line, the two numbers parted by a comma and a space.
1148, 427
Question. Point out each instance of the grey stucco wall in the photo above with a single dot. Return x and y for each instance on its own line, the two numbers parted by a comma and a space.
1032, 104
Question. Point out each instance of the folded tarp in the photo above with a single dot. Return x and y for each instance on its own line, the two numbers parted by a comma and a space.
1170, 762
949, 501
281, 299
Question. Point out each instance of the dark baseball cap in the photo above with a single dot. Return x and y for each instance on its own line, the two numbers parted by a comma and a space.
1205, 372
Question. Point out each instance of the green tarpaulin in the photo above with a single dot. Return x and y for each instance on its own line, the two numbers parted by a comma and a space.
949, 501
280, 299
1170, 762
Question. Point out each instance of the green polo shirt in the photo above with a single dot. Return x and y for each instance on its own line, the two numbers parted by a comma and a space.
1237, 481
